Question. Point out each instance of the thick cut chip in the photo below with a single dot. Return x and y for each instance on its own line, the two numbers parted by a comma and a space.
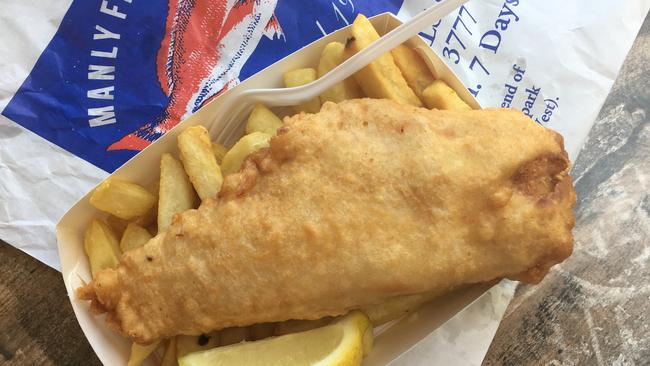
102, 247
296, 326
170, 355
176, 192
381, 79
413, 68
301, 77
122, 199
119, 225
219, 151
397, 307
189, 344
261, 331
140, 353
333, 55
199, 161
244, 147
233, 335
134, 237
440, 96
262, 119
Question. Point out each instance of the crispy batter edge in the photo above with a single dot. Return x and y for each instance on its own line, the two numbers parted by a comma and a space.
563, 193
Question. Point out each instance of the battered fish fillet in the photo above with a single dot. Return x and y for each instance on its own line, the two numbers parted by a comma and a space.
362, 202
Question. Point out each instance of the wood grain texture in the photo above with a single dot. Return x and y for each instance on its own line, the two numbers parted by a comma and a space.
594, 309
37, 325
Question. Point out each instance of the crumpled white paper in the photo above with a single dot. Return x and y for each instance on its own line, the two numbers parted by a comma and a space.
571, 52
39, 181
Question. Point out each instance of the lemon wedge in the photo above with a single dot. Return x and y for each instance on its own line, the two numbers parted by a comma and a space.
341, 343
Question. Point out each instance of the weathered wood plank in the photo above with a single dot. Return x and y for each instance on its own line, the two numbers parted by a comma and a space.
37, 325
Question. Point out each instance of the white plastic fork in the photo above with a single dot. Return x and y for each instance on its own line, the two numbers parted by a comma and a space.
240, 102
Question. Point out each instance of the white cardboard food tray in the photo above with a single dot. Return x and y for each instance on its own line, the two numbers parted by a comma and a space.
391, 340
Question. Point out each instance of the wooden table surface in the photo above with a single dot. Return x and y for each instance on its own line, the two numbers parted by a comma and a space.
592, 310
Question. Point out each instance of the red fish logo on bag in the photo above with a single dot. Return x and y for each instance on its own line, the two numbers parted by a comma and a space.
206, 43
118, 75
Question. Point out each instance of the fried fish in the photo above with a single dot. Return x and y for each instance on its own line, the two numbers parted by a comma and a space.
362, 202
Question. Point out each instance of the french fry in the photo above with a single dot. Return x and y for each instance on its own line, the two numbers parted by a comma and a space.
244, 147
219, 151
176, 192
199, 161
119, 225
101, 246
439, 95
381, 78
367, 341
262, 119
301, 77
134, 237
140, 353
334, 54
413, 68
261, 331
170, 357
295, 326
396, 307
122, 199
188, 344
233, 335
148, 218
